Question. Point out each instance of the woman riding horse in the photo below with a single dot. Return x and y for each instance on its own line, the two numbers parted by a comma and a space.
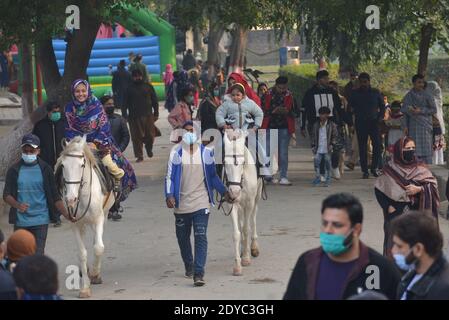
85, 116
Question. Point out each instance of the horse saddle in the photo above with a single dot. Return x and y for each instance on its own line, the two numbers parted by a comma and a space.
106, 179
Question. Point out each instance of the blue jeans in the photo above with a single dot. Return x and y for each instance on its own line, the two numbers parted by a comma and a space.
184, 223
327, 165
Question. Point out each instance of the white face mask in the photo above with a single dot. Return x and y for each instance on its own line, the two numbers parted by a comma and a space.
189, 138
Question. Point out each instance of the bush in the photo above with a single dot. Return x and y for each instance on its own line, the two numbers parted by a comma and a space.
392, 80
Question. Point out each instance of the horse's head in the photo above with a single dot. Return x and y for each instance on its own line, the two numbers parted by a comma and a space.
234, 161
73, 162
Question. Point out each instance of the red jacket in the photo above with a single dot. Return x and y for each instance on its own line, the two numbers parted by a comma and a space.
288, 103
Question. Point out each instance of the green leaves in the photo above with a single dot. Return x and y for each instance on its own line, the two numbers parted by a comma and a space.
32, 21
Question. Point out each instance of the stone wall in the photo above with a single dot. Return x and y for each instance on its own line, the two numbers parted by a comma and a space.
263, 49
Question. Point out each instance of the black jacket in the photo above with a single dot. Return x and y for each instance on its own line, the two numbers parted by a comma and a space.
51, 134
317, 97
434, 285
206, 114
140, 101
51, 192
188, 62
305, 275
121, 79
119, 130
366, 104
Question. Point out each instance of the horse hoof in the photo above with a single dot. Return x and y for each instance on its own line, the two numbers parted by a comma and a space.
237, 272
85, 293
255, 252
246, 262
95, 279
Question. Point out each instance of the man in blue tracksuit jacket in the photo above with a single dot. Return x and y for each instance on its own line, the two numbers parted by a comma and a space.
189, 185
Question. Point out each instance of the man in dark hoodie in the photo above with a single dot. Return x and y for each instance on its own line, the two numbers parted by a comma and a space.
320, 95
121, 79
343, 265
50, 132
368, 107
141, 108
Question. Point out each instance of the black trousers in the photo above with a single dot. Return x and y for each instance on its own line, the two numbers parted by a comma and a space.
399, 207
364, 130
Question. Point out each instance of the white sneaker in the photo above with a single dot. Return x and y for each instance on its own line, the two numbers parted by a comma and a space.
323, 179
336, 174
285, 182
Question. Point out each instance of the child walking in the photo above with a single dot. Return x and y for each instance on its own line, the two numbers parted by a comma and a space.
324, 138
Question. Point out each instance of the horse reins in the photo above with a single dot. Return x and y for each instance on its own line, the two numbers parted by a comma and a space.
81, 185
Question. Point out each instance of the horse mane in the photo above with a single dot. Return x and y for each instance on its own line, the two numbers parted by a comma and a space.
73, 147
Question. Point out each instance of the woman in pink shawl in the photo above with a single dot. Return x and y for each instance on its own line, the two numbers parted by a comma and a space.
168, 75
406, 184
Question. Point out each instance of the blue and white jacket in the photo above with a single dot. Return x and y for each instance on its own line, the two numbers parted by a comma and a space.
174, 174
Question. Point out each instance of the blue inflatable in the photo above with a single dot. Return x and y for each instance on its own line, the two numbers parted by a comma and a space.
110, 51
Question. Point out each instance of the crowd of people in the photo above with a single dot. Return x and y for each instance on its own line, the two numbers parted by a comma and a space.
393, 143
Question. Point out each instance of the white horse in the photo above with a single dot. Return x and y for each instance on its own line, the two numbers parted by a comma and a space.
85, 201
246, 189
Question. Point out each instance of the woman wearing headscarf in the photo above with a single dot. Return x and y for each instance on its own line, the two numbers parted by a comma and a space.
439, 128
249, 92
20, 244
85, 116
406, 184
168, 75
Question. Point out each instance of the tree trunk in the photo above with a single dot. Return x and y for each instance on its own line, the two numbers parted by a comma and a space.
216, 30
79, 47
346, 57
346, 65
77, 57
424, 46
322, 64
49, 68
197, 40
238, 49
27, 78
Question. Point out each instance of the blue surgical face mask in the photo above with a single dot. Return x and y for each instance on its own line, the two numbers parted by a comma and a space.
29, 158
216, 92
335, 244
401, 261
189, 138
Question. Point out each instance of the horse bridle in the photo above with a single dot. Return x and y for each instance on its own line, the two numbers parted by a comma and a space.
81, 185
235, 183
231, 183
